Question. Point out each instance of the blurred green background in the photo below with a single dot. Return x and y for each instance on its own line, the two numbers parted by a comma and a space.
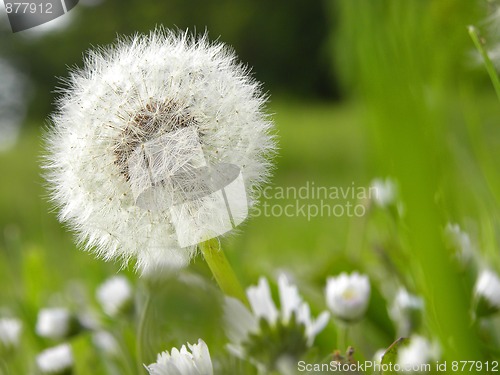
359, 89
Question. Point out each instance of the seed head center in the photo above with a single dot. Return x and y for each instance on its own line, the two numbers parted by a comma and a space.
153, 120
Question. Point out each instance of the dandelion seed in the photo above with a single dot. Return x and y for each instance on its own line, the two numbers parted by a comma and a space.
56, 361
115, 295
195, 361
10, 332
54, 323
348, 296
142, 140
268, 336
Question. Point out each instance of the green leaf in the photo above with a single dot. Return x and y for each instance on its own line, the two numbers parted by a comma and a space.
391, 354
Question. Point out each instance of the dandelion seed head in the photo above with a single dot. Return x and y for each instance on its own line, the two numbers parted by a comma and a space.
129, 131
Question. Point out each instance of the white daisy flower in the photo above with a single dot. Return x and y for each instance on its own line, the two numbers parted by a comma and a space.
460, 242
416, 354
55, 360
253, 334
195, 361
10, 332
115, 295
487, 293
378, 355
348, 296
157, 137
406, 310
384, 192
54, 323
106, 342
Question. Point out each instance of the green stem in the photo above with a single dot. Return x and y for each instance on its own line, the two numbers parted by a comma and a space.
487, 61
342, 337
222, 270
140, 339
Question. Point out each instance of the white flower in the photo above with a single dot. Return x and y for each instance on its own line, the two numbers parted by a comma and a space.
10, 332
53, 323
106, 342
487, 292
379, 354
406, 311
348, 296
132, 134
418, 353
384, 192
252, 332
195, 361
115, 295
55, 360
461, 242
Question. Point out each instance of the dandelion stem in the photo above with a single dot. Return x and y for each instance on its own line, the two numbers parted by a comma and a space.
222, 270
486, 58
140, 339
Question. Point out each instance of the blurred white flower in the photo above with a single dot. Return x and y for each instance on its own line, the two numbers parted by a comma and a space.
417, 353
348, 296
54, 323
106, 342
10, 332
252, 333
115, 295
195, 361
460, 241
406, 310
178, 101
55, 360
384, 192
487, 293
379, 354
